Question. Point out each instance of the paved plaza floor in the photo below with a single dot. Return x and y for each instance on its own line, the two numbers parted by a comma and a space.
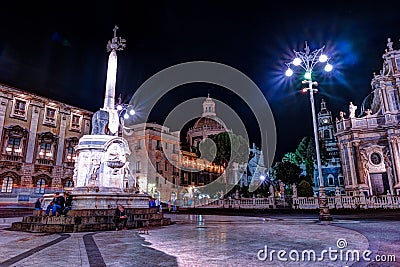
213, 240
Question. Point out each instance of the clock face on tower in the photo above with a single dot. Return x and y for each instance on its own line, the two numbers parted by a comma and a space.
325, 120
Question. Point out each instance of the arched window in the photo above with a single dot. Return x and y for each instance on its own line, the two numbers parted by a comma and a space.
327, 134
69, 183
40, 185
330, 180
7, 185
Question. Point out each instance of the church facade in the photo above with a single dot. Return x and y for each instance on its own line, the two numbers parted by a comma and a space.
369, 141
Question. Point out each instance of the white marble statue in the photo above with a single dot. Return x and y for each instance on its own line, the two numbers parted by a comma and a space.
352, 110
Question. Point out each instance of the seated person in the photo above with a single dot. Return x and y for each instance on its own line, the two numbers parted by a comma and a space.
68, 203
49, 208
120, 217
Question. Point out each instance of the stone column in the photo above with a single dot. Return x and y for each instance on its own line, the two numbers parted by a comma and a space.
344, 165
351, 165
32, 132
385, 102
393, 141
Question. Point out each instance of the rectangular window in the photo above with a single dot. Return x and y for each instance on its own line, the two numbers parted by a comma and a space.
50, 116
157, 166
174, 148
139, 144
166, 166
13, 147
137, 166
19, 108
45, 151
158, 145
76, 122
166, 145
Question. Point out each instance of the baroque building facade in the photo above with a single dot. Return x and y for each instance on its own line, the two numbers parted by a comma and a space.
37, 143
369, 141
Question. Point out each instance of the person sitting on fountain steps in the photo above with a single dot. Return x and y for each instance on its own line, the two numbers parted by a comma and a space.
58, 204
120, 216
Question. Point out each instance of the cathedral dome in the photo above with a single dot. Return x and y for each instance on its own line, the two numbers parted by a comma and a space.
207, 124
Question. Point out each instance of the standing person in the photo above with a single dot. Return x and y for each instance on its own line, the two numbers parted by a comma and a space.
120, 216
68, 203
38, 203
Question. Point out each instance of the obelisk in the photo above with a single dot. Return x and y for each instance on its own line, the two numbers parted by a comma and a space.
105, 120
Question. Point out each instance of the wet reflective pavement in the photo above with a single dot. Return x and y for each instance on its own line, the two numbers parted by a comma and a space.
211, 240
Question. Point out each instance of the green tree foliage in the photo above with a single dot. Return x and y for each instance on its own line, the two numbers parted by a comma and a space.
218, 148
292, 157
287, 172
306, 153
304, 189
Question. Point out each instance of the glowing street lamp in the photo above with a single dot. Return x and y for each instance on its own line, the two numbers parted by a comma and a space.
307, 60
125, 112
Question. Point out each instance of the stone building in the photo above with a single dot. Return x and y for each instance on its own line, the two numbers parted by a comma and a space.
369, 141
331, 167
159, 166
37, 143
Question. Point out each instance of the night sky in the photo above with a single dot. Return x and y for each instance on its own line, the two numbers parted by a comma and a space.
59, 51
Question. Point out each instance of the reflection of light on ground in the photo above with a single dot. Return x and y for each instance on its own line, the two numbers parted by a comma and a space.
211, 240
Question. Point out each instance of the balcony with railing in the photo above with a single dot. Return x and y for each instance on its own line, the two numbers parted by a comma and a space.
14, 158
366, 122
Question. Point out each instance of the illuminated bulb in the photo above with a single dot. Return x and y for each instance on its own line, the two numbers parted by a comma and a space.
304, 90
323, 58
307, 75
132, 112
119, 107
262, 178
289, 72
296, 61
126, 116
328, 67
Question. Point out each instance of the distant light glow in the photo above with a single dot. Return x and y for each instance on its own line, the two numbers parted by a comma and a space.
126, 116
297, 61
323, 58
289, 72
307, 75
328, 67
119, 107
132, 112
262, 178
304, 90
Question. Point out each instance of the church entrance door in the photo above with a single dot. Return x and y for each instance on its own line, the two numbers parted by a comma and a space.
379, 183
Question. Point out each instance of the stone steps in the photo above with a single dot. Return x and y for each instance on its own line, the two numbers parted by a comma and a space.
88, 220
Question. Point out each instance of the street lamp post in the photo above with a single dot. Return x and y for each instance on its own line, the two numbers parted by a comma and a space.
307, 60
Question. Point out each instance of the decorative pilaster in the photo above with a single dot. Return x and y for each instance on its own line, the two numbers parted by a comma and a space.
56, 177
3, 108
26, 178
32, 133
61, 139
